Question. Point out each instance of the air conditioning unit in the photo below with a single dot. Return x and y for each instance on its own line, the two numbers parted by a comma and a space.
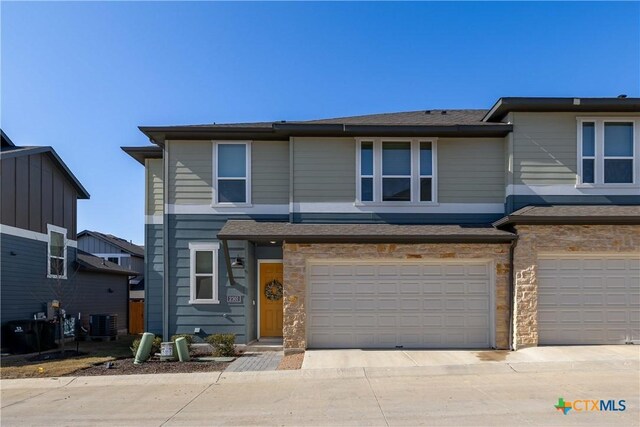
103, 325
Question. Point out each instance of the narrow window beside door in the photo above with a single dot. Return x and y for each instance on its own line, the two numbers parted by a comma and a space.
204, 278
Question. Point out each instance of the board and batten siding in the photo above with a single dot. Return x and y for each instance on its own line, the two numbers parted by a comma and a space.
324, 169
154, 169
34, 193
471, 170
545, 146
270, 172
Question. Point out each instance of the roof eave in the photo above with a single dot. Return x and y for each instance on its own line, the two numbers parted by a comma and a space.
566, 220
372, 239
140, 154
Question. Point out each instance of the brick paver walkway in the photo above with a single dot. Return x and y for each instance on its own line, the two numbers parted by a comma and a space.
262, 361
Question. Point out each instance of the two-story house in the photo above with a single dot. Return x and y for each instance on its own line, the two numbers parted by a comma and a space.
39, 256
508, 227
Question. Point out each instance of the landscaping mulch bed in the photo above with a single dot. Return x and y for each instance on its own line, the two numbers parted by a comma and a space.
291, 362
56, 356
126, 367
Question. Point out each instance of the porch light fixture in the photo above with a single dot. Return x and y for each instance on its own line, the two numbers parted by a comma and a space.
237, 263
273, 242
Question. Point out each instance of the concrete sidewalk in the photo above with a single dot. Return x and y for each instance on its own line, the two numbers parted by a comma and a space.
463, 394
322, 359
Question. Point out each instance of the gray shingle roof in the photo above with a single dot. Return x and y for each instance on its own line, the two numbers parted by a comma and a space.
93, 263
265, 231
573, 214
126, 246
408, 118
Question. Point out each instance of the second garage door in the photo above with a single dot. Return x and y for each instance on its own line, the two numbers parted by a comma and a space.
588, 299
377, 304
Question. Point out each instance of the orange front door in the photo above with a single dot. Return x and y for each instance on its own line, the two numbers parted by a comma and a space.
270, 299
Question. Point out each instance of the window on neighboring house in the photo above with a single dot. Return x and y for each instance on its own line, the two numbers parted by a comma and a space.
56, 252
607, 151
204, 278
114, 260
399, 171
232, 173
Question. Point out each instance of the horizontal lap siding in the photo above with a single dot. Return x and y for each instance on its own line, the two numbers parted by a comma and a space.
26, 288
544, 148
153, 280
471, 170
191, 172
270, 172
324, 169
183, 316
155, 191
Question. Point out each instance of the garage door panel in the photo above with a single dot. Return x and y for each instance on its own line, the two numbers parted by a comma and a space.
412, 305
588, 300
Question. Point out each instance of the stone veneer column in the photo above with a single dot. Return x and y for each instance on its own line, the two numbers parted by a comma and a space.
293, 329
525, 313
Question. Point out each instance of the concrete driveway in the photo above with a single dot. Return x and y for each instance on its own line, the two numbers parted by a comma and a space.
479, 394
322, 359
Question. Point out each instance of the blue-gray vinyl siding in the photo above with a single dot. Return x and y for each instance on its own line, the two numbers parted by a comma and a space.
26, 289
396, 218
236, 318
153, 278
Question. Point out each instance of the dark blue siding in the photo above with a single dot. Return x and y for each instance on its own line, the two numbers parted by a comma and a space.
26, 289
153, 253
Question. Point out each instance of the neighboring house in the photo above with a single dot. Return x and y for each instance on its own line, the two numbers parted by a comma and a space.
118, 251
506, 228
40, 261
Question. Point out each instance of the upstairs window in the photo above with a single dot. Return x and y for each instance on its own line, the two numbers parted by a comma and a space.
396, 171
607, 151
56, 252
203, 277
232, 173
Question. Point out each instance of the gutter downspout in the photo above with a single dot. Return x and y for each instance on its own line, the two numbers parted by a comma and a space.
165, 246
512, 289
227, 259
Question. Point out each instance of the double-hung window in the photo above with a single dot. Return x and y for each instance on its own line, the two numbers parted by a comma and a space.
396, 171
204, 277
232, 173
608, 151
56, 252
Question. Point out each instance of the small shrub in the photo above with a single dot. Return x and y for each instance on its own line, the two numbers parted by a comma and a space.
223, 344
155, 346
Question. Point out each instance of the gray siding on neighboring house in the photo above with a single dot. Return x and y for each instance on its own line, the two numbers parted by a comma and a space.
34, 193
324, 169
26, 289
153, 278
471, 170
94, 245
270, 172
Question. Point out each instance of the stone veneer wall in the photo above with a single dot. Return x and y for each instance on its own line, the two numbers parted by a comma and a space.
536, 239
296, 256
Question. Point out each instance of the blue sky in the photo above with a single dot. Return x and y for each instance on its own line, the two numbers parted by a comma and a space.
82, 76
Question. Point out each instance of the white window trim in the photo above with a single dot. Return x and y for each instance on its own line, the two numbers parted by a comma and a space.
247, 178
415, 172
203, 246
599, 152
55, 229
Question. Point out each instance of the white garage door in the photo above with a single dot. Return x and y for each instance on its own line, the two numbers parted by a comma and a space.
588, 300
377, 304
